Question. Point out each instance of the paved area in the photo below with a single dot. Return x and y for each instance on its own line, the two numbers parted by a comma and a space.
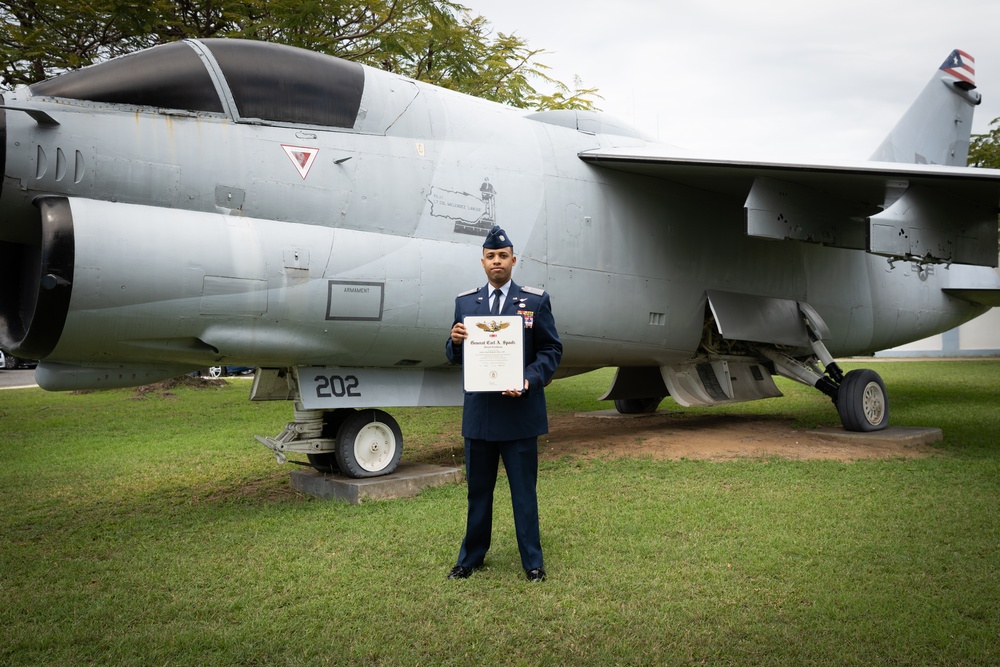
17, 379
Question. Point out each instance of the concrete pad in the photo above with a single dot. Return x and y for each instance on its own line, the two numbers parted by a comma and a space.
907, 435
408, 480
910, 435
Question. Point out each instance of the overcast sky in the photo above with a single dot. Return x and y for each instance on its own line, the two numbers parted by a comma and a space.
809, 80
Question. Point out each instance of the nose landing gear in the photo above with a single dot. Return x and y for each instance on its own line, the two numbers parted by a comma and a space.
358, 443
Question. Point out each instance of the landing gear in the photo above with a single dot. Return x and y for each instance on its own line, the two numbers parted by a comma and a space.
860, 395
332, 421
358, 443
862, 401
369, 443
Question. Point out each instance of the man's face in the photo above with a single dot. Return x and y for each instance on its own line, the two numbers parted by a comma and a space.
498, 265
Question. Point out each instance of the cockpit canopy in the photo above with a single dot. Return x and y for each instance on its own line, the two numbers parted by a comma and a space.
266, 82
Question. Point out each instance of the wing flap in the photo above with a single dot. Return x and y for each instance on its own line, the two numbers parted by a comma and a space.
779, 209
930, 213
930, 224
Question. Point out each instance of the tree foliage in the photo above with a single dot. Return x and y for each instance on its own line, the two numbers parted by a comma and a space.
437, 41
984, 149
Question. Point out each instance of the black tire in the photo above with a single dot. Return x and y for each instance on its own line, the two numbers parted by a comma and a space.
332, 421
369, 444
636, 406
863, 402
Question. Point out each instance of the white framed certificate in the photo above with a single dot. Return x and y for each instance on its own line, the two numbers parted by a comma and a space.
493, 354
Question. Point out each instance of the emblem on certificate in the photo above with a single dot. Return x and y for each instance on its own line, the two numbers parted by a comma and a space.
493, 354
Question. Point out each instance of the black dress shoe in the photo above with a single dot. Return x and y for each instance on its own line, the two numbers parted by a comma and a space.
459, 572
537, 574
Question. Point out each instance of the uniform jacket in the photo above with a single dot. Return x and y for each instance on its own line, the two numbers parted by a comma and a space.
490, 415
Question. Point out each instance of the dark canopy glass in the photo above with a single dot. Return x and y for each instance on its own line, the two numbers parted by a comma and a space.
280, 83
268, 82
171, 76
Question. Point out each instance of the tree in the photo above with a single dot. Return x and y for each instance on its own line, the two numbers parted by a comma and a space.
40, 38
437, 41
984, 149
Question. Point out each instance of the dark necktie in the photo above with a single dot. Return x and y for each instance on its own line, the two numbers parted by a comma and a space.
495, 310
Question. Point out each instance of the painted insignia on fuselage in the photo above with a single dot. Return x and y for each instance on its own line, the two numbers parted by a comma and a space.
472, 214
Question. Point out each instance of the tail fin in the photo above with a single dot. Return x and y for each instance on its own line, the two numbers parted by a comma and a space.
937, 126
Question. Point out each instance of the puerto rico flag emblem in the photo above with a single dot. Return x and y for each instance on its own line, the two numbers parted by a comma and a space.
962, 66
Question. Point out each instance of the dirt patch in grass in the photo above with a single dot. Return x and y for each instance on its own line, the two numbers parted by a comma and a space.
673, 435
164, 389
678, 435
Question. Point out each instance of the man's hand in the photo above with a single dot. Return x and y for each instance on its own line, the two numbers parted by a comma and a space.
458, 334
514, 392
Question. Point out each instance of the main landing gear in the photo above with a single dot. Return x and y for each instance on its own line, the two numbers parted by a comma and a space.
357, 443
859, 395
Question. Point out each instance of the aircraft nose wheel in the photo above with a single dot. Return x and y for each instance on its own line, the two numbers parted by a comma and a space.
862, 401
332, 421
369, 443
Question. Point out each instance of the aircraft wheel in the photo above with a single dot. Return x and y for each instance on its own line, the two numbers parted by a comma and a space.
369, 444
862, 401
636, 406
332, 421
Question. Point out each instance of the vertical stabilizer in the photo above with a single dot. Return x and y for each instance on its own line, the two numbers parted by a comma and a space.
937, 126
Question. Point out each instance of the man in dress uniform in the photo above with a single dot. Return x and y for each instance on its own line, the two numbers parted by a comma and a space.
505, 424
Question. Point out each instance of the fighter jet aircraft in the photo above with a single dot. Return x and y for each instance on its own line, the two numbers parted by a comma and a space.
212, 202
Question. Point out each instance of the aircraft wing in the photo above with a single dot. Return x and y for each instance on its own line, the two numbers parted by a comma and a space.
929, 213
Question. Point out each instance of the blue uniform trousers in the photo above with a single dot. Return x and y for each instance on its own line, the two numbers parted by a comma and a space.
520, 460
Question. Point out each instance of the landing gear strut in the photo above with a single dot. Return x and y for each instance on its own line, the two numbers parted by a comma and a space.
358, 443
859, 395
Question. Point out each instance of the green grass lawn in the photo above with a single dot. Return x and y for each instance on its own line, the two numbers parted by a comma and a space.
153, 530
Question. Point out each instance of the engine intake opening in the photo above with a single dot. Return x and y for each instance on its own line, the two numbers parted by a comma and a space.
38, 280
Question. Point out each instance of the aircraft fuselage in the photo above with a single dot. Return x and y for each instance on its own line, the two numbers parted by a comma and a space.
201, 238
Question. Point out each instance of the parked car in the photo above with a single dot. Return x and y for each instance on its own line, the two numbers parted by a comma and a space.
225, 371
10, 362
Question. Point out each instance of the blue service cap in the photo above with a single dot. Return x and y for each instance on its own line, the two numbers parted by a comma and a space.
496, 239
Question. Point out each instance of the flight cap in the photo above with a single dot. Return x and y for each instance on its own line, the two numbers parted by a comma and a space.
496, 239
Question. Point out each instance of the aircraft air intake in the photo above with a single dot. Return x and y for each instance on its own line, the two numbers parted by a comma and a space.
39, 278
